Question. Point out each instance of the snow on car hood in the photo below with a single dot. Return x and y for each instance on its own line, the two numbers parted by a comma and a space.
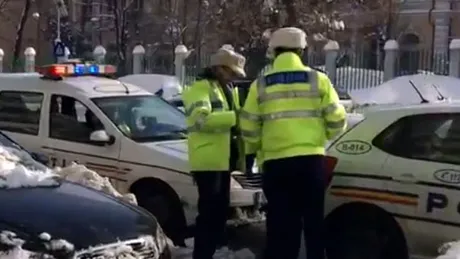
18, 169
12, 248
400, 91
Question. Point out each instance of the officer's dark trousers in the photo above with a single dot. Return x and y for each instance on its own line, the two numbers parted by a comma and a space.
294, 188
213, 202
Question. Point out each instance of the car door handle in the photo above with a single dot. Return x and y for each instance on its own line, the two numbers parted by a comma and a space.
405, 178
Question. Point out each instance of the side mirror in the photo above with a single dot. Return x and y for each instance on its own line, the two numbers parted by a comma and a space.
101, 137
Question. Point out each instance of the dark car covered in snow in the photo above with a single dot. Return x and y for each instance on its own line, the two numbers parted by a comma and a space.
39, 219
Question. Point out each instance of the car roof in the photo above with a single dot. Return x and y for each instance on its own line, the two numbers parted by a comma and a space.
442, 106
90, 86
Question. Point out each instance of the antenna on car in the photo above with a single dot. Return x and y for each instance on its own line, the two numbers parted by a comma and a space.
418, 92
126, 88
441, 97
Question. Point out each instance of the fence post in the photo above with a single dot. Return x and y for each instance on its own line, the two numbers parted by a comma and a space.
138, 59
391, 54
2, 54
29, 64
454, 62
99, 54
332, 51
180, 54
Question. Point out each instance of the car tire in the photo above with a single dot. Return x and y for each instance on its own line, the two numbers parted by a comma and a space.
364, 233
166, 208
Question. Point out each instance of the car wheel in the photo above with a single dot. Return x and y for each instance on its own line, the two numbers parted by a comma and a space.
167, 209
362, 234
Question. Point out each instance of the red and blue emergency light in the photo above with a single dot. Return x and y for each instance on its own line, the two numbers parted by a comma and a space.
72, 70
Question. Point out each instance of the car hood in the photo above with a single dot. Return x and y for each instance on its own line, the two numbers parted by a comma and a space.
175, 148
80, 215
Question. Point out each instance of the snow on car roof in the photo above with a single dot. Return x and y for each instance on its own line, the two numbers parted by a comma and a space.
399, 90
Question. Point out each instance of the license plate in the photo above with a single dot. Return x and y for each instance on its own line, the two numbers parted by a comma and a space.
259, 199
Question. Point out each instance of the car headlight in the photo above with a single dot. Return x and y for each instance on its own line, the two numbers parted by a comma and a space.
234, 184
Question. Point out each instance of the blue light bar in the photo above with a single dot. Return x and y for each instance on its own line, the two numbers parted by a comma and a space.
93, 69
79, 69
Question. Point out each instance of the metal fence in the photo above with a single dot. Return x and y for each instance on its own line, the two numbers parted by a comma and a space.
356, 68
348, 68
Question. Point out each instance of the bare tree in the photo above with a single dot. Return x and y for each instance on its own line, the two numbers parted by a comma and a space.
3, 4
120, 10
19, 33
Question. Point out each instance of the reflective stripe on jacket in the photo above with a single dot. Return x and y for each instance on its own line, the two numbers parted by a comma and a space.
292, 110
209, 121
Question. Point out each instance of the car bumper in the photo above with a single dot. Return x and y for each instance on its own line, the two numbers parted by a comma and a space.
245, 197
245, 207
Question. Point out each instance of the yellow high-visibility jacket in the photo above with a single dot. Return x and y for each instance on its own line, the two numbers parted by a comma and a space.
209, 121
291, 110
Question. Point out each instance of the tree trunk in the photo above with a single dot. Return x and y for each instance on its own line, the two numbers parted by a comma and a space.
197, 38
19, 34
291, 12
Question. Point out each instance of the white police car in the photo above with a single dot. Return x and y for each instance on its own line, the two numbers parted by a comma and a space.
73, 112
396, 183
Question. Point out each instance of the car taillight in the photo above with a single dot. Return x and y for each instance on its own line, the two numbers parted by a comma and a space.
331, 162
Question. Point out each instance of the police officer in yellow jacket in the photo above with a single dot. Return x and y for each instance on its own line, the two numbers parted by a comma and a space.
290, 113
210, 105
252, 151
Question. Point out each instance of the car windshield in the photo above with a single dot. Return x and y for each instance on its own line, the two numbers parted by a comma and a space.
144, 118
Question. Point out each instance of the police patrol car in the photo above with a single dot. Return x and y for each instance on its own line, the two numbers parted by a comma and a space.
396, 184
73, 112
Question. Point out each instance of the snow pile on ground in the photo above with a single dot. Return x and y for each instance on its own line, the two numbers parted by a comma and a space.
80, 174
449, 250
223, 253
18, 169
242, 218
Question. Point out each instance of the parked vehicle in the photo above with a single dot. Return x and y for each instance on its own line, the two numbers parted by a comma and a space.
395, 186
77, 214
72, 112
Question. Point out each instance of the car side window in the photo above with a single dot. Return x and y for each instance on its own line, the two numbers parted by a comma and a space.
430, 137
20, 111
71, 120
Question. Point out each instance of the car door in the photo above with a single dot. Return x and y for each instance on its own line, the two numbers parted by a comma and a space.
424, 162
70, 124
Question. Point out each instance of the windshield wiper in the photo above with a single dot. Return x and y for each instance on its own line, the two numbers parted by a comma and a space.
169, 136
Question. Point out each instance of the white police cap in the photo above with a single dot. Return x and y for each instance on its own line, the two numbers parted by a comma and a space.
288, 37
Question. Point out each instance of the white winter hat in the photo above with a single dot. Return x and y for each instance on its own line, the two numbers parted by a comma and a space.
230, 59
288, 37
